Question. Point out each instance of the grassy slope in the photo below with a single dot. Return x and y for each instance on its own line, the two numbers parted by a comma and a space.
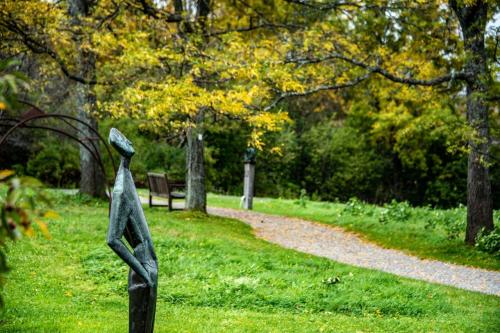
410, 236
216, 277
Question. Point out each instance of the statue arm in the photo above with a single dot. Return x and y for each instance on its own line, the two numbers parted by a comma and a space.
117, 222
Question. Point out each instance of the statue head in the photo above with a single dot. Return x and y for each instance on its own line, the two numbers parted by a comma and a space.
249, 156
121, 143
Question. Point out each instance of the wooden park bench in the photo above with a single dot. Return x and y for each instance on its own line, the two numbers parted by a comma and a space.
160, 186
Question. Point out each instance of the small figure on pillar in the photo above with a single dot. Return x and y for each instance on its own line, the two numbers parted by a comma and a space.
127, 220
249, 156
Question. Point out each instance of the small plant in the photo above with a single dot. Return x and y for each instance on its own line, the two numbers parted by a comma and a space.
303, 198
331, 280
395, 212
384, 216
354, 207
452, 221
489, 241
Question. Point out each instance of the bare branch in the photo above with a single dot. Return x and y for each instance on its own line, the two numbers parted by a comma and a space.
311, 91
265, 25
381, 71
325, 5
111, 16
334, 5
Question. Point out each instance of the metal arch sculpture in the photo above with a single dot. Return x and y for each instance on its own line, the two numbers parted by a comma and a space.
36, 114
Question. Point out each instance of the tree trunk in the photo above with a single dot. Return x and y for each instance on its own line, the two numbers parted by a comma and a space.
473, 20
92, 179
196, 196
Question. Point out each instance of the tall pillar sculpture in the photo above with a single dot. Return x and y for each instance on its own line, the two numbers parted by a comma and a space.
127, 220
248, 181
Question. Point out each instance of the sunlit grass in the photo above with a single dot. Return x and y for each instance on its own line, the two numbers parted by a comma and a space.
215, 276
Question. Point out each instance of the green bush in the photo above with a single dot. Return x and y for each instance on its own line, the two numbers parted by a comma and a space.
395, 212
353, 207
56, 163
489, 241
303, 199
453, 221
341, 164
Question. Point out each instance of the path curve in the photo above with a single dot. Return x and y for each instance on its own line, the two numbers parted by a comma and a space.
336, 244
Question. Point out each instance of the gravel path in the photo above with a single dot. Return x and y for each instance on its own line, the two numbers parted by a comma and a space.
339, 245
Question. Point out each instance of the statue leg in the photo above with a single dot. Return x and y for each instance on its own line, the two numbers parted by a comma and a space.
139, 305
151, 310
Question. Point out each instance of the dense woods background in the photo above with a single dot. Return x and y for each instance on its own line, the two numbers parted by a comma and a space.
330, 154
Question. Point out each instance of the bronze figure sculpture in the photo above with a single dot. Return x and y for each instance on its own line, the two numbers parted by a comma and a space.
127, 220
249, 156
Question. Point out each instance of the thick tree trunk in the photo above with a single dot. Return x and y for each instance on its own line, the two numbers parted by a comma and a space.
92, 179
479, 201
196, 195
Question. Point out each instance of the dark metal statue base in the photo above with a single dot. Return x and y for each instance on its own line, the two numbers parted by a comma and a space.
142, 304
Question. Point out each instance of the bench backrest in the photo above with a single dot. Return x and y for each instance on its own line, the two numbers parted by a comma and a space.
158, 184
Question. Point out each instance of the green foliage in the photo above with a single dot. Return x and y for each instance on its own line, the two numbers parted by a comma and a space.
331, 280
11, 81
354, 207
447, 186
421, 140
395, 212
21, 199
489, 241
303, 198
341, 164
275, 169
452, 220
55, 163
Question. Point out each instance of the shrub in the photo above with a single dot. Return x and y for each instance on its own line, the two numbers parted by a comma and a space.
356, 207
453, 221
489, 241
56, 163
395, 212
341, 163
303, 198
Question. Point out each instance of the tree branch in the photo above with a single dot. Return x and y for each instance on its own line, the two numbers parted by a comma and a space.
40, 47
155, 13
333, 5
311, 91
324, 5
381, 71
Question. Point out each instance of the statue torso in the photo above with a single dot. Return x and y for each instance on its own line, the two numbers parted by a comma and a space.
136, 232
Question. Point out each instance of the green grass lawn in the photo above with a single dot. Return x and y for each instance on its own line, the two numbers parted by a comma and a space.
406, 228
215, 276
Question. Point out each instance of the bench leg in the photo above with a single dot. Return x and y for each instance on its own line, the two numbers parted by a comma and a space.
170, 208
150, 201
